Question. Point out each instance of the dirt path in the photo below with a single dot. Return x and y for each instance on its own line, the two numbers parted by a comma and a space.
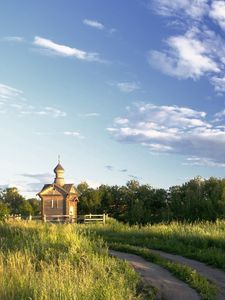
215, 275
169, 287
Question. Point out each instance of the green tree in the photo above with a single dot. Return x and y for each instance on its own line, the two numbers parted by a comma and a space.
12, 198
82, 187
36, 206
4, 211
89, 200
25, 209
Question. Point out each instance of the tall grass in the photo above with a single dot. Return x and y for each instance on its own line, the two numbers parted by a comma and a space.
48, 261
204, 241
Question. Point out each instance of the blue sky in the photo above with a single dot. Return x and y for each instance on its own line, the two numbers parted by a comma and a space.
122, 90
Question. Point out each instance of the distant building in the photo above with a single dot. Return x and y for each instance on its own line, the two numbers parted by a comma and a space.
58, 198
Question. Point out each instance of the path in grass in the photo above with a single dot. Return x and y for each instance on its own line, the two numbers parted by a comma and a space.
213, 274
169, 287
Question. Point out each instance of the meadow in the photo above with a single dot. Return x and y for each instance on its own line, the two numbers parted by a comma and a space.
71, 261
203, 241
46, 261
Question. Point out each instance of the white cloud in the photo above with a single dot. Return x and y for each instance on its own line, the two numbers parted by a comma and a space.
121, 121
187, 57
217, 12
66, 51
158, 147
219, 117
12, 101
126, 86
173, 129
94, 23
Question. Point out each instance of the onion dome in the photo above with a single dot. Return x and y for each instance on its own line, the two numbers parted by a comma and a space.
59, 174
58, 168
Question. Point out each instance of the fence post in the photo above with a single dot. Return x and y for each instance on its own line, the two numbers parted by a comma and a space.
44, 218
30, 218
104, 219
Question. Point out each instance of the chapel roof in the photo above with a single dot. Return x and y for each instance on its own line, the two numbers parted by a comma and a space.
66, 188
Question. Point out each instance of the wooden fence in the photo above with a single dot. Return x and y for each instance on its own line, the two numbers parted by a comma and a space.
86, 219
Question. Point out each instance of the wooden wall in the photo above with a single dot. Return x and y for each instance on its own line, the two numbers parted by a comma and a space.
54, 205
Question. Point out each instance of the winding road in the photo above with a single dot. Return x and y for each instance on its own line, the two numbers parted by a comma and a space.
169, 287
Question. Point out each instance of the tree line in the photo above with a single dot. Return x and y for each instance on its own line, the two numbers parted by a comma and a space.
195, 200
135, 203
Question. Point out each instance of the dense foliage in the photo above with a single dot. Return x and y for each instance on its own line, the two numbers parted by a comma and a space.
11, 202
197, 199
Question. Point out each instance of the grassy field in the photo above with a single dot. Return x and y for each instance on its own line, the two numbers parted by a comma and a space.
204, 241
60, 262
46, 261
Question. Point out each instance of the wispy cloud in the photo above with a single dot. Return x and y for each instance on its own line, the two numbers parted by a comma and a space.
75, 134
217, 12
40, 177
89, 115
94, 23
198, 51
109, 168
206, 162
126, 86
17, 39
98, 25
12, 100
8, 93
123, 170
45, 111
174, 130
177, 8
39, 180
66, 51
